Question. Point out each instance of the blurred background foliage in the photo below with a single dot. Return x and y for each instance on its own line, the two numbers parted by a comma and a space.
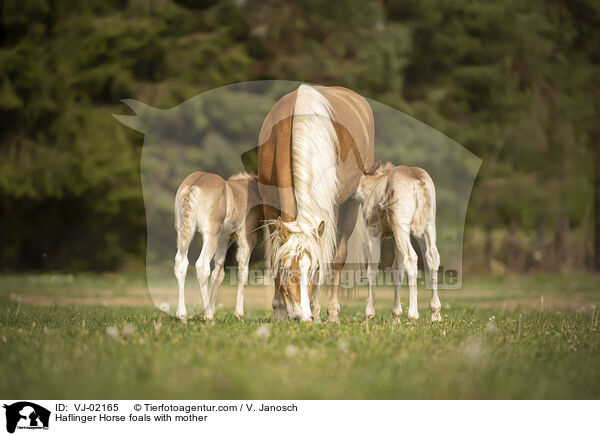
515, 82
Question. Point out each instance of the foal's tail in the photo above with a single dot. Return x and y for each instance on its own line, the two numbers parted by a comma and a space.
425, 212
185, 219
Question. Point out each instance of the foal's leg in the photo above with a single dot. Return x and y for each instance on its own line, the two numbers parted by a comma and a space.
181, 266
405, 250
243, 258
398, 276
433, 261
374, 254
217, 275
210, 239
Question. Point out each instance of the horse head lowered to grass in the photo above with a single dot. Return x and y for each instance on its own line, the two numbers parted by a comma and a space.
314, 146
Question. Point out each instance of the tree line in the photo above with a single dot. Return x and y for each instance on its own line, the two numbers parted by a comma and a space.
515, 82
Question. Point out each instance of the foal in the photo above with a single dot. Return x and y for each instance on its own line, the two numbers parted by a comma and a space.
222, 211
397, 202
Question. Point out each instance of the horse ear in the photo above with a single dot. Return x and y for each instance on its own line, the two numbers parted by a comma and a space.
284, 230
321, 229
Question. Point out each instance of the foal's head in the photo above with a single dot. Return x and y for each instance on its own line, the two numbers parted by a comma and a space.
297, 267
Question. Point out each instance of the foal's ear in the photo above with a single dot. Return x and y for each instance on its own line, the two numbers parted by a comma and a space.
374, 167
285, 233
321, 229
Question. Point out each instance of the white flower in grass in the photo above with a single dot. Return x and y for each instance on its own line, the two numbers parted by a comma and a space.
491, 325
113, 333
291, 350
343, 344
128, 330
263, 332
473, 348
164, 306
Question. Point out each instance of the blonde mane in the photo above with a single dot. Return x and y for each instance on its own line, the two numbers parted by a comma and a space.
314, 171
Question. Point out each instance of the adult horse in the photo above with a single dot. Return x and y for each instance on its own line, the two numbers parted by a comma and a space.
314, 146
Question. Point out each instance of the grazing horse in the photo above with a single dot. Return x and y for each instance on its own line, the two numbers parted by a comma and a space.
397, 202
222, 211
314, 146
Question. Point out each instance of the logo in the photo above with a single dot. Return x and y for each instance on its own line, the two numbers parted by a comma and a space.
26, 415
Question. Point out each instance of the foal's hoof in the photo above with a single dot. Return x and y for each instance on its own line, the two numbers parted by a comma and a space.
370, 313
333, 313
182, 317
209, 320
411, 321
239, 316
397, 320
436, 317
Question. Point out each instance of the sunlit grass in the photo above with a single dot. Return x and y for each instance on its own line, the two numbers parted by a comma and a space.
120, 352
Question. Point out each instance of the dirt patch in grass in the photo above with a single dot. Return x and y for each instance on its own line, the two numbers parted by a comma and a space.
143, 299
260, 297
256, 297
537, 303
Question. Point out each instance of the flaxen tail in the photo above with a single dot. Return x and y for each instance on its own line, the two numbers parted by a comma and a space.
425, 212
185, 217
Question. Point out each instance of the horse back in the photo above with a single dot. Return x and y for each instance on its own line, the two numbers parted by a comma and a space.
355, 128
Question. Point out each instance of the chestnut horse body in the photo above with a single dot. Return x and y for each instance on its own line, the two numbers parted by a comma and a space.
314, 146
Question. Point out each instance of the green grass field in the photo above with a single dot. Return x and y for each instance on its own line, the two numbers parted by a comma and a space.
99, 337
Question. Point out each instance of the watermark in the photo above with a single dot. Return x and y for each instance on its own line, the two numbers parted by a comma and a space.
349, 279
219, 133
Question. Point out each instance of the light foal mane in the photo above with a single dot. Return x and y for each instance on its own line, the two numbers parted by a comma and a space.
314, 169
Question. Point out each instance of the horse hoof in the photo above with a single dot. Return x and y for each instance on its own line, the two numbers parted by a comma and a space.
182, 317
279, 315
239, 316
436, 317
411, 321
397, 320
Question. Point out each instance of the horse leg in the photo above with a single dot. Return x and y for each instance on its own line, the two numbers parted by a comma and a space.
210, 239
279, 309
315, 307
374, 254
433, 262
180, 269
217, 275
398, 276
346, 222
333, 308
243, 258
268, 252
